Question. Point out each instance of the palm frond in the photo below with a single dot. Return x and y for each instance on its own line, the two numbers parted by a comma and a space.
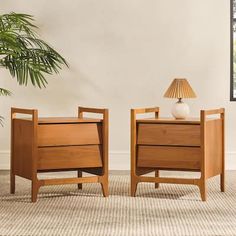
5, 92
26, 56
1, 120
17, 22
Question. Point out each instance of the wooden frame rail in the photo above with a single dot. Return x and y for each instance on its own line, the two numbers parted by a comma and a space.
105, 146
31, 166
133, 132
209, 167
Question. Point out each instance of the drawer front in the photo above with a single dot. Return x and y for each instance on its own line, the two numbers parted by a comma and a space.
69, 134
69, 157
169, 134
188, 158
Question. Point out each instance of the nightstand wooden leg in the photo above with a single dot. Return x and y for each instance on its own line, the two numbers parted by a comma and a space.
203, 190
222, 182
79, 174
157, 175
134, 184
13, 183
104, 184
34, 191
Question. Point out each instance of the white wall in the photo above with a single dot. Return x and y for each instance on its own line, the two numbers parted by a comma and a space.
124, 54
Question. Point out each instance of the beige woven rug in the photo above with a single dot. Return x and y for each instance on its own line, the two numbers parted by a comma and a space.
170, 210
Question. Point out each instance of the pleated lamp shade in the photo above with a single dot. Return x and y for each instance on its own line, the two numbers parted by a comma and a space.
180, 88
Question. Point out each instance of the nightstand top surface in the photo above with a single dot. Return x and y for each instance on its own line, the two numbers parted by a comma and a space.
170, 120
60, 120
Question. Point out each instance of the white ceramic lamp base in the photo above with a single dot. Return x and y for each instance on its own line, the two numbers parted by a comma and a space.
180, 110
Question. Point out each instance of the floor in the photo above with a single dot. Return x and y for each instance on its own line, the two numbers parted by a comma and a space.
169, 210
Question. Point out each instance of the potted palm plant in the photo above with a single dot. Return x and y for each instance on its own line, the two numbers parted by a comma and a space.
24, 54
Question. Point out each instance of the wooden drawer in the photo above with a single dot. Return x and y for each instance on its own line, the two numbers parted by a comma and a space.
69, 134
169, 134
69, 157
169, 157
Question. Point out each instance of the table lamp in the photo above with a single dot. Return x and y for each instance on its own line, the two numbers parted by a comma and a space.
180, 88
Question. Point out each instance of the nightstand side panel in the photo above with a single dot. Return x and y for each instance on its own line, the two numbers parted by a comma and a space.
23, 148
214, 147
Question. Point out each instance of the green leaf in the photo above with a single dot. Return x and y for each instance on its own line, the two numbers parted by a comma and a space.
23, 53
5, 92
1, 120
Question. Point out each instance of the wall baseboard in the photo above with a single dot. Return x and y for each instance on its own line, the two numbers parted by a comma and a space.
118, 160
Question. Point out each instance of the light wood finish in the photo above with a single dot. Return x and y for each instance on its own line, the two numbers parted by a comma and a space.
194, 144
67, 120
69, 134
79, 175
59, 144
133, 146
105, 130
222, 175
168, 134
157, 174
170, 157
58, 181
169, 120
69, 157
168, 180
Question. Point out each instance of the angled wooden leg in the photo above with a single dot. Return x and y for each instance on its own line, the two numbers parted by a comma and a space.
13, 183
157, 175
79, 174
134, 184
104, 184
34, 190
222, 182
202, 187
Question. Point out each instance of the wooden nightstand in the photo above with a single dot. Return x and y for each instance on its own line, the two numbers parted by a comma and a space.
59, 144
170, 144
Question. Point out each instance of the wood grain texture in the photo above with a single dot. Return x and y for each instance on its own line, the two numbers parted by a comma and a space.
59, 144
203, 178
92, 110
133, 135
67, 120
105, 160
222, 175
59, 181
214, 148
105, 138
169, 120
69, 134
193, 144
12, 165
214, 112
135, 171
154, 110
168, 180
69, 157
168, 134
23, 148
169, 157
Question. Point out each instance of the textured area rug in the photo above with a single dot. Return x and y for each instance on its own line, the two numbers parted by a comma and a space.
169, 210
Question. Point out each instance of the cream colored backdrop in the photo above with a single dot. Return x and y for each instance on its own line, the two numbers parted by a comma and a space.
124, 54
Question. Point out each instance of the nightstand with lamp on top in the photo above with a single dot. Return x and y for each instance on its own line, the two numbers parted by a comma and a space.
186, 144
